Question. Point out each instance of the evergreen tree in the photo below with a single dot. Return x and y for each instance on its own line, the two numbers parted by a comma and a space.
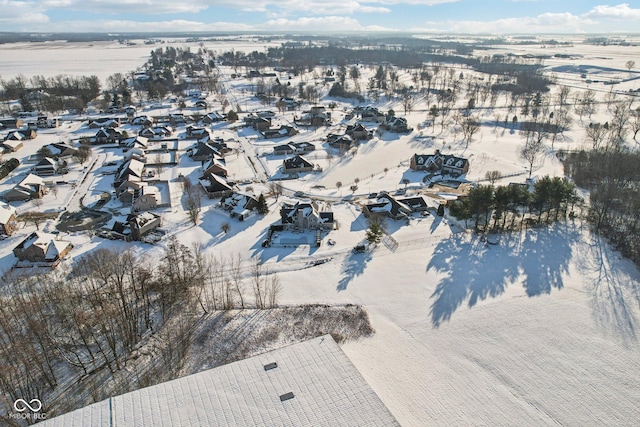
262, 205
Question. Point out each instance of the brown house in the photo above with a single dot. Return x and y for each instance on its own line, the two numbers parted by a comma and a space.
8, 222
42, 247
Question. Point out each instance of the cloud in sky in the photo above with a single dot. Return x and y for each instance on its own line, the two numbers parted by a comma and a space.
466, 16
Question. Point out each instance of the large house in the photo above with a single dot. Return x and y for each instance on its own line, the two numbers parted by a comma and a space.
296, 164
396, 124
48, 166
390, 207
215, 166
294, 148
305, 216
107, 135
31, 187
7, 219
42, 248
282, 131
439, 163
130, 170
204, 151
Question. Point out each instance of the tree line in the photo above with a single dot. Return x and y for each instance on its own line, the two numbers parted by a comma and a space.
612, 177
513, 206
54, 94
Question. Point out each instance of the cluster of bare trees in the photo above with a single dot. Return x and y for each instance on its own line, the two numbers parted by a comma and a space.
53, 94
613, 178
94, 316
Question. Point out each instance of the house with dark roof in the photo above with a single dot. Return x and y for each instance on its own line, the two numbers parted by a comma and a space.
10, 123
144, 121
136, 226
370, 114
388, 206
140, 142
240, 206
297, 164
281, 132
439, 163
358, 132
396, 124
215, 166
212, 117
341, 142
199, 133
294, 148
106, 135
48, 166
204, 151
130, 170
104, 123
305, 216
215, 186
60, 149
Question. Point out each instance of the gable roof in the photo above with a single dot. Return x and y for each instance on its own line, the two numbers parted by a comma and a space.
6, 212
297, 162
312, 383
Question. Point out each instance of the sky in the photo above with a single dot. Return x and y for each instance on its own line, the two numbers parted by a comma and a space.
429, 16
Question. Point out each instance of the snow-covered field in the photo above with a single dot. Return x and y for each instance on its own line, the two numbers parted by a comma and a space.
540, 329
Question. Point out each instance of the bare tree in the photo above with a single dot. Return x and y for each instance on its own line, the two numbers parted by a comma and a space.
630, 65
531, 153
493, 176
225, 227
470, 126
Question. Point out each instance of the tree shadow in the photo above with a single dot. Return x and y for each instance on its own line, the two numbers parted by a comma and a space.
475, 270
614, 289
353, 266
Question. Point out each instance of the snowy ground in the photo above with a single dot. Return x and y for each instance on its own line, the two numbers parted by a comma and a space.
538, 329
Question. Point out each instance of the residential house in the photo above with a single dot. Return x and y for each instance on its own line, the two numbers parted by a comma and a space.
156, 132
281, 132
215, 186
61, 149
42, 248
358, 132
199, 133
11, 145
439, 163
316, 117
288, 104
370, 114
48, 166
177, 119
11, 123
111, 123
130, 170
31, 187
215, 166
22, 134
129, 189
143, 121
135, 142
389, 206
200, 104
240, 206
396, 124
107, 135
297, 164
8, 222
147, 198
213, 117
294, 148
341, 142
305, 216
142, 224
204, 151
257, 122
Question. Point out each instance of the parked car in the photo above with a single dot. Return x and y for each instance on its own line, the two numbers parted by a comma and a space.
299, 194
373, 195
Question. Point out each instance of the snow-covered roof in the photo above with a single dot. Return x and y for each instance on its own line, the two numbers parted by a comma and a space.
6, 212
312, 383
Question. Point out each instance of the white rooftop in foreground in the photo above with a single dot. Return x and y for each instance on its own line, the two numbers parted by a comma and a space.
327, 391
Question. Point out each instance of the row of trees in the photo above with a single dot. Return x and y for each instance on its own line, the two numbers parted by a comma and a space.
513, 206
53, 94
92, 317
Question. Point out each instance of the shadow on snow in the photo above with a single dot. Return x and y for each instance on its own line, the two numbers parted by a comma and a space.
476, 271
